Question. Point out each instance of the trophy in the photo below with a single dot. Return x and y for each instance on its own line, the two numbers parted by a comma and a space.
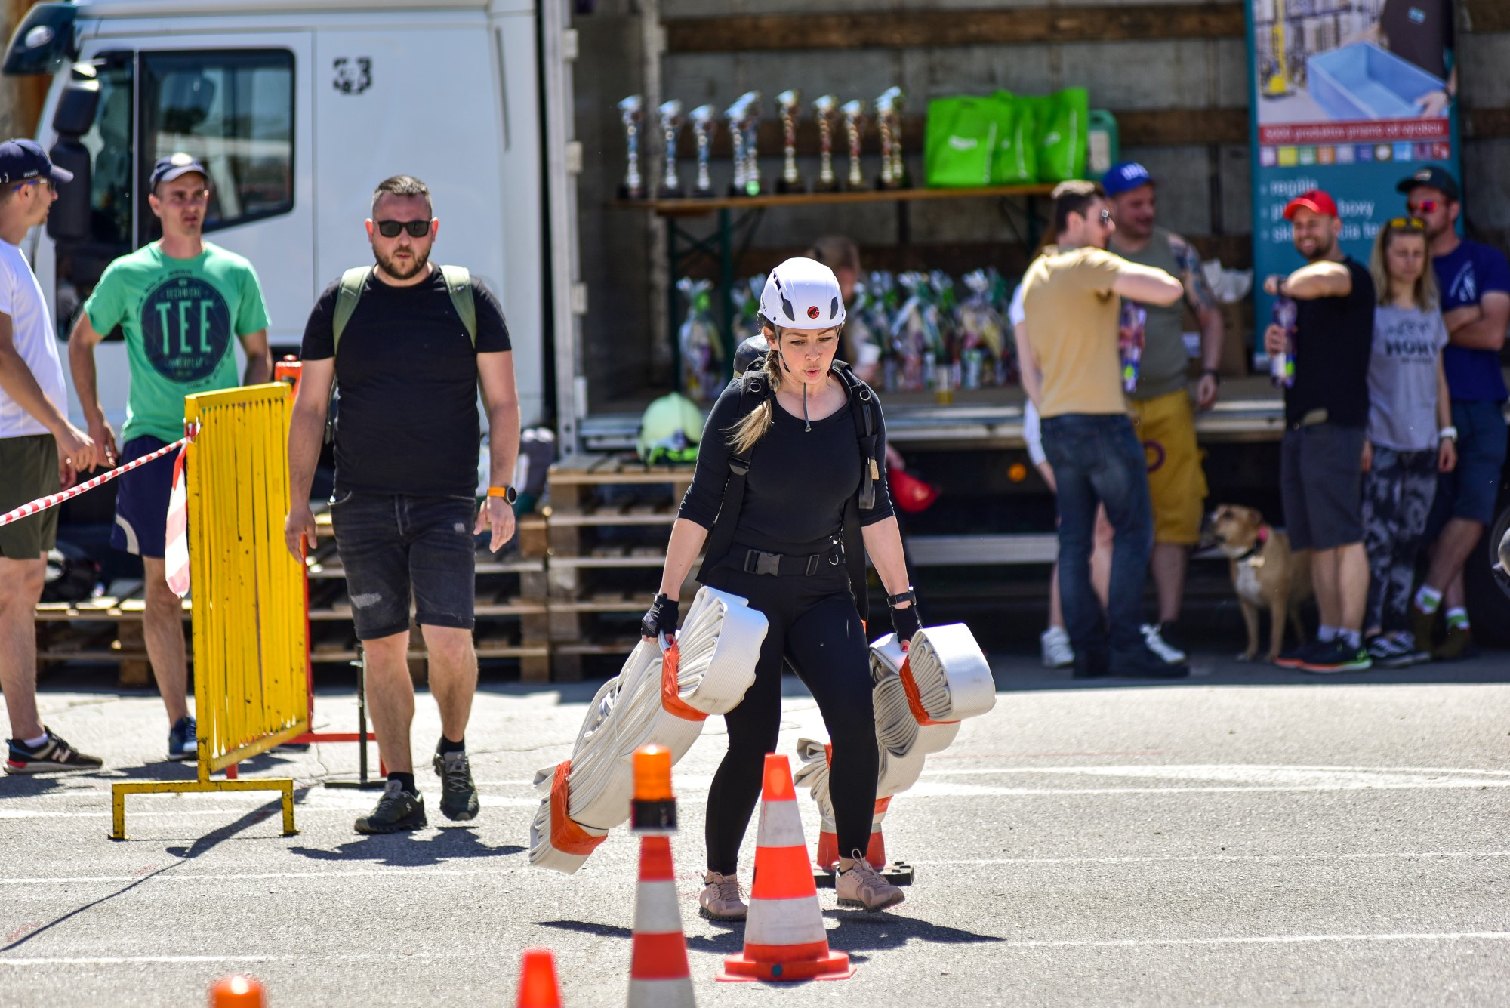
703, 124
889, 122
735, 114
787, 103
825, 108
633, 186
751, 120
854, 122
670, 112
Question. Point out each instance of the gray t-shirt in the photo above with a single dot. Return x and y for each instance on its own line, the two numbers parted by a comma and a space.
1402, 378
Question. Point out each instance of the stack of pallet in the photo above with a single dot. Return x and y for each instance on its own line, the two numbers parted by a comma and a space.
607, 527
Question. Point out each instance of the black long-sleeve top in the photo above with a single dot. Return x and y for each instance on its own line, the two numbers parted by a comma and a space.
799, 480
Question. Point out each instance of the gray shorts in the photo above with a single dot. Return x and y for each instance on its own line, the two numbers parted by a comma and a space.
1321, 486
30, 465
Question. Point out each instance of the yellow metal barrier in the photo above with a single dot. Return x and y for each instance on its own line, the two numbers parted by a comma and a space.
250, 649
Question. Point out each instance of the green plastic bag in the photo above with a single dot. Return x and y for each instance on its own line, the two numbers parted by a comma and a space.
1015, 159
961, 135
1063, 134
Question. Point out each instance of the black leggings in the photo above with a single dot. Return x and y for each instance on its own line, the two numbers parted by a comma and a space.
813, 624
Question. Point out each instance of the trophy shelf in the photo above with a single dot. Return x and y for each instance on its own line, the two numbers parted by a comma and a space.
693, 207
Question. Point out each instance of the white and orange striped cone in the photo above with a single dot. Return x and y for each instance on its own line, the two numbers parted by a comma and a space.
784, 934
658, 973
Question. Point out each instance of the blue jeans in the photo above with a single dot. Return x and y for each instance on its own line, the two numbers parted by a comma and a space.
1097, 459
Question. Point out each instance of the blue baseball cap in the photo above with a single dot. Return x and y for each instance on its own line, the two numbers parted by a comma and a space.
1125, 177
22, 160
172, 166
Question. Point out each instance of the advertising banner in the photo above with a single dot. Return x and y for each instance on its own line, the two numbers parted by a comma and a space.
1349, 96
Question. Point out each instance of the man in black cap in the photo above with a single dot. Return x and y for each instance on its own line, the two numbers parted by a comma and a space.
39, 452
1474, 281
182, 304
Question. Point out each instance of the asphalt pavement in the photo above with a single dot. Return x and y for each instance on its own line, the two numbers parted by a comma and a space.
1250, 837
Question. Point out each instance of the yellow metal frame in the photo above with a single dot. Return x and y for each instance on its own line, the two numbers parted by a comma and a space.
251, 653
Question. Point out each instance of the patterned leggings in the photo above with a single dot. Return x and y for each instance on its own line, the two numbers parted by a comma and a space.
1397, 494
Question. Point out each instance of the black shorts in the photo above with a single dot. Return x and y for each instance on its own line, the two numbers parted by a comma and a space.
396, 548
1321, 486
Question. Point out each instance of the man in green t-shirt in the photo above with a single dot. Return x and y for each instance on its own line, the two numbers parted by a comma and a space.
178, 301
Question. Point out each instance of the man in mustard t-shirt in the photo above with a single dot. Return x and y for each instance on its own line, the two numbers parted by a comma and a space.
1071, 296
181, 303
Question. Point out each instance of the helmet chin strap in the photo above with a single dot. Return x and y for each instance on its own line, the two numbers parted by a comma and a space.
807, 424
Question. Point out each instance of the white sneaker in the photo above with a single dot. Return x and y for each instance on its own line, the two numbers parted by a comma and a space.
1158, 645
1054, 644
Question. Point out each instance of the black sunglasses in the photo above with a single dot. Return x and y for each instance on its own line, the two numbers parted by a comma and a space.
391, 228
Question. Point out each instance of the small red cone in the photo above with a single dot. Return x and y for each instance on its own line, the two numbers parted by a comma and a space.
784, 934
537, 980
658, 972
237, 991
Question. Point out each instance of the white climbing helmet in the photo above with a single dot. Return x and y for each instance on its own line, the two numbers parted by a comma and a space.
802, 294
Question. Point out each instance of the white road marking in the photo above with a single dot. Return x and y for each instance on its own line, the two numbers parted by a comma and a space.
409, 871
301, 956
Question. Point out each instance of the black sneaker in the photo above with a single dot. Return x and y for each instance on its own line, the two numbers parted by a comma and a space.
53, 756
397, 811
1143, 663
458, 795
1294, 657
1338, 656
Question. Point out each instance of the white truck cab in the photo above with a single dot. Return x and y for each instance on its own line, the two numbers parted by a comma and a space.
299, 108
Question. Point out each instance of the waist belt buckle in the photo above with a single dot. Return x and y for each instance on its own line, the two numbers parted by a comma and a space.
812, 564
759, 562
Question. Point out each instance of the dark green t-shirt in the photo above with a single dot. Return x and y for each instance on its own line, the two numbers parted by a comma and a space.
180, 318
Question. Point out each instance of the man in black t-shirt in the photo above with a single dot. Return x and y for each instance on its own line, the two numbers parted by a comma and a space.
406, 444
1326, 412
1421, 32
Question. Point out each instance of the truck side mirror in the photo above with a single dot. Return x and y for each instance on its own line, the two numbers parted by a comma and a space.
69, 220
43, 40
77, 106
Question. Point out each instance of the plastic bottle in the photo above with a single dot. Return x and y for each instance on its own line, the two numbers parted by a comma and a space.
1130, 342
1282, 364
1101, 143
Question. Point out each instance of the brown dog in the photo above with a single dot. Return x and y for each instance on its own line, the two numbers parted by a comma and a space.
1265, 573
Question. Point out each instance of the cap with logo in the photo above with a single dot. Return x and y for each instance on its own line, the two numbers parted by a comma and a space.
172, 166
22, 160
1436, 178
1125, 177
1313, 200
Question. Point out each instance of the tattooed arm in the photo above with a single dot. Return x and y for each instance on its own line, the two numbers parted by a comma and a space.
1202, 301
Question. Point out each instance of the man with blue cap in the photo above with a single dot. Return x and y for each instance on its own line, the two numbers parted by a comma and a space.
1160, 402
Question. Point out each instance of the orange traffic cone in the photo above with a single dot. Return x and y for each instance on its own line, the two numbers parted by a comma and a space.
875, 850
537, 980
237, 991
658, 974
784, 936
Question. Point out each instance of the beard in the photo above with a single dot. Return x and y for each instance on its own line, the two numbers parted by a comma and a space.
420, 261
1324, 250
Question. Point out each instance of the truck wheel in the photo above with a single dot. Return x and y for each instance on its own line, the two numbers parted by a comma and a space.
1488, 602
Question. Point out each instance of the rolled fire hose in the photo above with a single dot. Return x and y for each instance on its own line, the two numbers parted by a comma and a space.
661, 695
950, 679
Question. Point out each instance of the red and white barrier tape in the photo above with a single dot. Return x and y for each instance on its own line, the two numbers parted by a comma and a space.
176, 538
53, 500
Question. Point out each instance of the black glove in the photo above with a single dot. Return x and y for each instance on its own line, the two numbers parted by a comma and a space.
660, 618
906, 622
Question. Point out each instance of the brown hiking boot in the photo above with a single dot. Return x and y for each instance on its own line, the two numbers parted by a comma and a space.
1422, 625
720, 899
1458, 644
863, 886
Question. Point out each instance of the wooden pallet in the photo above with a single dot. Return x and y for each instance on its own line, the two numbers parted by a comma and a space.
608, 523
103, 629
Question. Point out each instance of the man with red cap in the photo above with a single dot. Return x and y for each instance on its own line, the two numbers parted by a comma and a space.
1326, 412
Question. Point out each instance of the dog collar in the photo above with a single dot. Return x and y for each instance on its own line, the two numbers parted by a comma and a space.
1259, 541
